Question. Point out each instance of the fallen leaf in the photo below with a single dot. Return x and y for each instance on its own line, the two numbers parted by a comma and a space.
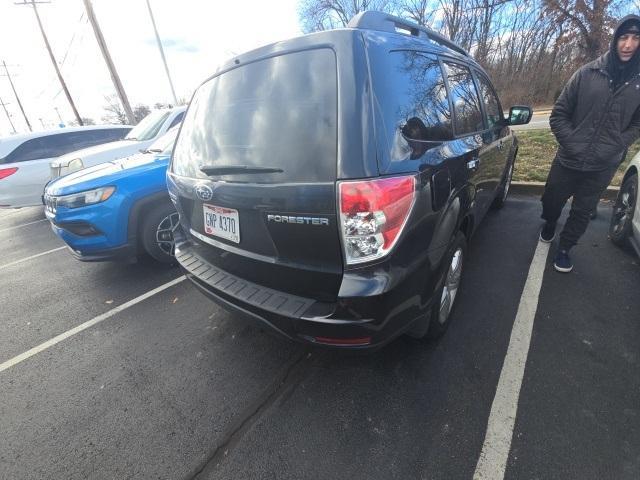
109, 302
175, 300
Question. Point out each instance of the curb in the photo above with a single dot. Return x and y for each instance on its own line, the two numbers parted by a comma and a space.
536, 188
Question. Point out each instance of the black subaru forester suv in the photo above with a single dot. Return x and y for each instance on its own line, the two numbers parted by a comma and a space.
327, 185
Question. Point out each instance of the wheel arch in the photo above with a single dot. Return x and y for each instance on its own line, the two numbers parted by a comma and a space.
138, 211
632, 170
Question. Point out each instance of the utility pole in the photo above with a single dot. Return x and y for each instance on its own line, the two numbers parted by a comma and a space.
7, 114
107, 58
164, 60
53, 59
16, 94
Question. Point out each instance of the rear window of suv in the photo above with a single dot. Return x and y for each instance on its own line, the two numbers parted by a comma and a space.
276, 113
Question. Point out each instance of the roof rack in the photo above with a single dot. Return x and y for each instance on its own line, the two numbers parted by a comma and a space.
384, 22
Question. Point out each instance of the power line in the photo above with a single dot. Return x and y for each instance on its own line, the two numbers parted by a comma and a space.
17, 97
7, 114
73, 37
53, 59
164, 60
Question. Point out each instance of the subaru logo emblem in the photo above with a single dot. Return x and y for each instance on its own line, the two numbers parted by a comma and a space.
204, 192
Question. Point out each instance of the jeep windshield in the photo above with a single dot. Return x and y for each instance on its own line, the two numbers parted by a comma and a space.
276, 115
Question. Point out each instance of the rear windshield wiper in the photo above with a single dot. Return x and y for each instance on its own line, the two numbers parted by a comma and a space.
231, 169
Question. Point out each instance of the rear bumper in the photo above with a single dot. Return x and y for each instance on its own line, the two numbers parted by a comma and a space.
363, 322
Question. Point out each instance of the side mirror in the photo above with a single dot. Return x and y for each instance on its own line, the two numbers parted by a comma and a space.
519, 115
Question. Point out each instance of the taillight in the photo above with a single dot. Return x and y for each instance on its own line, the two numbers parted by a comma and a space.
5, 172
372, 215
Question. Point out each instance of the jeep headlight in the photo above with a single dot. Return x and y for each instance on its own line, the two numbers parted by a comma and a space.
89, 197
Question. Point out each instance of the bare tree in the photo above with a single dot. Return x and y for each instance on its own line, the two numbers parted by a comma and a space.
114, 111
140, 111
529, 47
591, 21
316, 15
420, 11
85, 121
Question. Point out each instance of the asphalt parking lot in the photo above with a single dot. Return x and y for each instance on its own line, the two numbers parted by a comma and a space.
167, 385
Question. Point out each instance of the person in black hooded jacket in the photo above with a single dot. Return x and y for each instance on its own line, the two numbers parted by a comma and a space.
595, 120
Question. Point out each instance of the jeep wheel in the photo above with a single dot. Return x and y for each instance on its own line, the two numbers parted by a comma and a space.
157, 233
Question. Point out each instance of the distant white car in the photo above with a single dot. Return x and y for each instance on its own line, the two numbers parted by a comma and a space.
625, 221
150, 128
24, 159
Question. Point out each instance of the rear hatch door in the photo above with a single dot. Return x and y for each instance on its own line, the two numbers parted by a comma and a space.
254, 169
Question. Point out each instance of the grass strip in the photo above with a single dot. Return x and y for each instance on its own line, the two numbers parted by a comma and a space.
537, 150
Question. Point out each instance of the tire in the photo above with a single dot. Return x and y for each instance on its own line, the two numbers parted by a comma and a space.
446, 294
503, 191
156, 233
620, 227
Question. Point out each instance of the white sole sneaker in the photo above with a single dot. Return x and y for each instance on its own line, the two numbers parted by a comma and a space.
562, 270
547, 241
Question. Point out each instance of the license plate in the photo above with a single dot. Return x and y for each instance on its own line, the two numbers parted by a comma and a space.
221, 222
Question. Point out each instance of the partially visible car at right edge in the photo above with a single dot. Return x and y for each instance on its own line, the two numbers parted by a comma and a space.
625, 221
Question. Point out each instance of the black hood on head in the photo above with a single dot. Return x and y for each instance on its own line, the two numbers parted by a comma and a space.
622, 71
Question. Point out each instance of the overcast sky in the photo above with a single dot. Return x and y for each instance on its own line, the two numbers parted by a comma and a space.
197, 35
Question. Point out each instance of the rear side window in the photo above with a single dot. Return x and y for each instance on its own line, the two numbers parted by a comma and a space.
71, 141
410, 90
109, 134
466, 103
490, 100
57, 144
276, 113
32, 149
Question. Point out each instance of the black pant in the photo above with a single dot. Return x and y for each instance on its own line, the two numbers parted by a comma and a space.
586, 189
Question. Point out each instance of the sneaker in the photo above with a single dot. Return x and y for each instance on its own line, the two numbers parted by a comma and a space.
562, 262
548, 232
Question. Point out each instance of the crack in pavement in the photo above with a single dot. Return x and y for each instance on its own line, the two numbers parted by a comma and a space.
291, 376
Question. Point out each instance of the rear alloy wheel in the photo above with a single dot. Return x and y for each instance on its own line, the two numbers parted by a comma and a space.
501, 197
445, 297
623, 210
158, 231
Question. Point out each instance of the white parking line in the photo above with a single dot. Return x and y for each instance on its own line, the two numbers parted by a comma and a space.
23, 225
69, 333
497, 441
31, 257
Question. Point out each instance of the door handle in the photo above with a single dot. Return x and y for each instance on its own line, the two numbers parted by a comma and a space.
473, 163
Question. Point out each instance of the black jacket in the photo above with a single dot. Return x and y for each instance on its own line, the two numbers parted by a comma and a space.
594, 124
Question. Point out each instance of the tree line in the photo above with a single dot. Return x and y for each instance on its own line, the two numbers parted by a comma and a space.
529, 47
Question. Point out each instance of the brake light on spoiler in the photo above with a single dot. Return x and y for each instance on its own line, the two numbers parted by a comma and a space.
373, 214
5, 172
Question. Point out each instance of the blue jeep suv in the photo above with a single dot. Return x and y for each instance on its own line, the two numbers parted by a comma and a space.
117, 210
